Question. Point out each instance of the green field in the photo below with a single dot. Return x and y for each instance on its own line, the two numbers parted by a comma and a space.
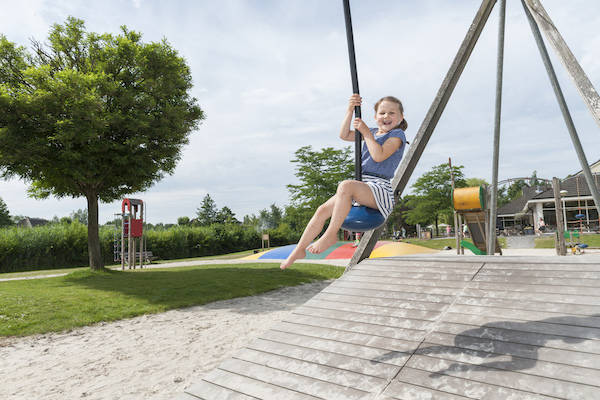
84, 297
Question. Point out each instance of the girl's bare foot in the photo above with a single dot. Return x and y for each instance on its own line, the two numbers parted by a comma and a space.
296, 254
322, 244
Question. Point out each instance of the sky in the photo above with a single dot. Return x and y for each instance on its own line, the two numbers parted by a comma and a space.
273, 76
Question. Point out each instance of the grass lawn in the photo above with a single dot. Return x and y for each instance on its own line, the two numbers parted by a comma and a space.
439, 244
547, 242
84, 297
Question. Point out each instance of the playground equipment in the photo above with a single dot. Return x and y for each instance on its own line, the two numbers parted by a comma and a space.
132, 231
470, 206
360, 218
538, 19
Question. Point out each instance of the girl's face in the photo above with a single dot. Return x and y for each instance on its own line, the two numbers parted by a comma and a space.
388, 116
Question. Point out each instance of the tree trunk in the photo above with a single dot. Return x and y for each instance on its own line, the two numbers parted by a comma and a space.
95, 255
437, 229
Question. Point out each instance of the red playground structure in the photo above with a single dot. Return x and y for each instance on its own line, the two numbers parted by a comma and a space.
132, 229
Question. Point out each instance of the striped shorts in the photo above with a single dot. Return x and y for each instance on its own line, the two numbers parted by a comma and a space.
383, 193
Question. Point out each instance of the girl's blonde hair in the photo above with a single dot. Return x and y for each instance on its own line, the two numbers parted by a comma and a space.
403, 124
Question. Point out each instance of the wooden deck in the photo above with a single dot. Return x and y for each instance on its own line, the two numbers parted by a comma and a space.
454, 328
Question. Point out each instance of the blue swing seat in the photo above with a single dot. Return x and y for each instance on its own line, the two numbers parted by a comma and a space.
362, 219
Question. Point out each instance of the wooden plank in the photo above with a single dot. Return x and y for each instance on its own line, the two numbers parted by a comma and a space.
376, 310
430, 289
415, 275
380, 301
348, 337
515, 336
595, 267
513, 273
382, 320
325, 357
406, 281
540, 326
315, 371
297, 383
519, 304
528, 296
525, 287
205, 390
337, 288
462, 387
482, 360
539, 281
433, 267
505, 313
534, 352
353, 350
251, 387
404, 262
409, 391
506, 378
352, 326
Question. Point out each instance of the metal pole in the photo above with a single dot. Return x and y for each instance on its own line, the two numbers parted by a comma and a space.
564, 109
561, 248
491, 243
354, 75
454, 211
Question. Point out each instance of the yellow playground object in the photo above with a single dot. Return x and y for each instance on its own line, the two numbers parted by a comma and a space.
470, 198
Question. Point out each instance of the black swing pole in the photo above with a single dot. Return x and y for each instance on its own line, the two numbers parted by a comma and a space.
354, 74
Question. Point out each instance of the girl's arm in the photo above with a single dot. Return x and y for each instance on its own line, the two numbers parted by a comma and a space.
379, 152
345, 132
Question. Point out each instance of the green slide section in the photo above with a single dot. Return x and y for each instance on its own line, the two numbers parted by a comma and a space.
472, 247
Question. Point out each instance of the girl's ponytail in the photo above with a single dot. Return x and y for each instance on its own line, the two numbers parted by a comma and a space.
403, 124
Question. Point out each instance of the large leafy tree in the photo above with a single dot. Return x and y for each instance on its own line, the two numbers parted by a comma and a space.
432, 198
319, 173
93, 115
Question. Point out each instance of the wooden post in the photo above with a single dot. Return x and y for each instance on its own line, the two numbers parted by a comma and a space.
561, 248
582, 82
413, 154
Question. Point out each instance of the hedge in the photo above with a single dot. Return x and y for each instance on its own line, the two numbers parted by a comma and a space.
65, 245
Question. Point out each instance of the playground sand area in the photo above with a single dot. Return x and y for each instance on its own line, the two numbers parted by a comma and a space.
148, 357
152, 356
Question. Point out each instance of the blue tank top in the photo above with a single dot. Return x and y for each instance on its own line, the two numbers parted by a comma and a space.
387, 167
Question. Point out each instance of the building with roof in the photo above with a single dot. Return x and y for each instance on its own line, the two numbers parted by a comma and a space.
537, 205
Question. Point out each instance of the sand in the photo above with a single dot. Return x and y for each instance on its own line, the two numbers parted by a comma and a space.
148, 357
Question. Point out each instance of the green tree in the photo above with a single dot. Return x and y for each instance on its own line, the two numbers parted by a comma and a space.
183, 221
319, 173
5, 219
432, 198
80, 215
226, 216
207, 212
93, 115
470, 182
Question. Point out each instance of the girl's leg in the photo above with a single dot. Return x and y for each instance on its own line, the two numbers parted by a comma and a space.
346, 192
314, 227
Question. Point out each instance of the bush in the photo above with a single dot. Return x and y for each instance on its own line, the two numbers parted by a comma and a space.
65, 245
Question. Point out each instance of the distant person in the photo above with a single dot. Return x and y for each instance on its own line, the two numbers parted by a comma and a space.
403, 232
382, 150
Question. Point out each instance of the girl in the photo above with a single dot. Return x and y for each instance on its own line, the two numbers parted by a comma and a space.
382, 151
